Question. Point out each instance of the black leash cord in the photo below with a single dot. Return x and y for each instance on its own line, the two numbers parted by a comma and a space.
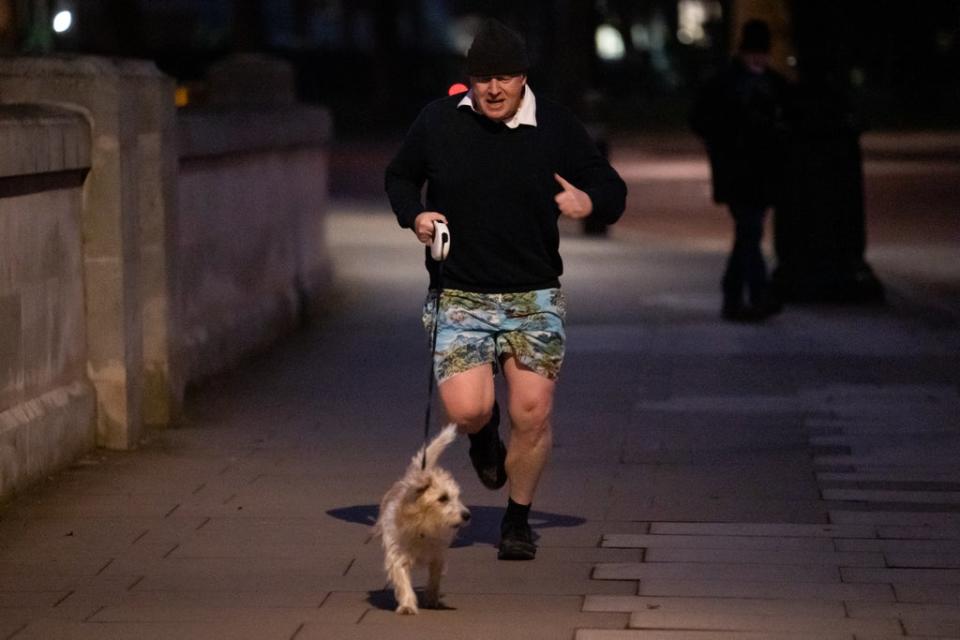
433, 353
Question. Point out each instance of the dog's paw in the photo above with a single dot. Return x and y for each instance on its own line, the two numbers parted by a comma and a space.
407, 610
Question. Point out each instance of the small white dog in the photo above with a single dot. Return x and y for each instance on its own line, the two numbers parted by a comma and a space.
419, 517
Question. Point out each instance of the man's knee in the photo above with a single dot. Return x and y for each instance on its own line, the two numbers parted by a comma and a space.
531, 416
470, 416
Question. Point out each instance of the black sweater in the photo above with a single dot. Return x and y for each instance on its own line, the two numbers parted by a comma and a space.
495, 186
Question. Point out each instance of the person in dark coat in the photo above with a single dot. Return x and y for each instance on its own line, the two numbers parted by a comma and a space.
740, 116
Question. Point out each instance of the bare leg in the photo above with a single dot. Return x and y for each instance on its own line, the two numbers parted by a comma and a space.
531, 437
468, 398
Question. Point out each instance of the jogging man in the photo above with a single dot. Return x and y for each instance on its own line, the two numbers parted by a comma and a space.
501, 166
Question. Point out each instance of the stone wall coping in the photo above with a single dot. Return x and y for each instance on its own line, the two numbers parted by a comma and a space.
40, 139
209, 131
45, 66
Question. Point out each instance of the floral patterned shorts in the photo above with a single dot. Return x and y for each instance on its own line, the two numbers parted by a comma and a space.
482, 328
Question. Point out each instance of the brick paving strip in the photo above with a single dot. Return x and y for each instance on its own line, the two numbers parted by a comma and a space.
887, 567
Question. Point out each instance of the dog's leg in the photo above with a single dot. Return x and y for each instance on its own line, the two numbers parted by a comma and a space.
399, 576
432, 595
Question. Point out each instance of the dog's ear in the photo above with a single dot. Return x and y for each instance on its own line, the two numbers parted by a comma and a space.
419, 486
425, 483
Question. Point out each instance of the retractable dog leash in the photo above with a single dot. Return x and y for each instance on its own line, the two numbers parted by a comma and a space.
439, 250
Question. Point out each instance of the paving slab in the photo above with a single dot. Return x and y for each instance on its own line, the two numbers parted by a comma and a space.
891, 576
772, 543
934, 547
778, 557
930, 560
776, 590
928, 593
903, 610
900, 474
764, 529
736, 606
715, 571
935, 519
235, 630
919, 532
775, 623
646, 634
865, 495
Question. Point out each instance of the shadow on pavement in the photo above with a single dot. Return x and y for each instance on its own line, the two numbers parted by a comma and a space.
484, 525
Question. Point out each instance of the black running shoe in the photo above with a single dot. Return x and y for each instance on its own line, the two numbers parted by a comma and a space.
488, 453
516, 541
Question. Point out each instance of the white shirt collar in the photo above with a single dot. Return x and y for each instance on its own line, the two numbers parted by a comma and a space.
526, 114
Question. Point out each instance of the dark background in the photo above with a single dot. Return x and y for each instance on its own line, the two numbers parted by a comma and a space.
375, 63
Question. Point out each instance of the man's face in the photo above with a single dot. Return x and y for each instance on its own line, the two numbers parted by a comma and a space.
498, 97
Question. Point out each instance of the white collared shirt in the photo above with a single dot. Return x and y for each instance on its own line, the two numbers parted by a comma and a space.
526, 114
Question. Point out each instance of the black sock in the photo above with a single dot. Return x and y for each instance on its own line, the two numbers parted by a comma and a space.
516, 512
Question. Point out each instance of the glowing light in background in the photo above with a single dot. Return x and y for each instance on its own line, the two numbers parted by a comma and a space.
692, 18
62, 21
455, 88
609, 43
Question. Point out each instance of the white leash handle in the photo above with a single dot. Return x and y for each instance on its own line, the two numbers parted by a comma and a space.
440, 247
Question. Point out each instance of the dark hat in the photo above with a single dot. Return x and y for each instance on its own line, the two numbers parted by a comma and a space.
755, 36
497, 50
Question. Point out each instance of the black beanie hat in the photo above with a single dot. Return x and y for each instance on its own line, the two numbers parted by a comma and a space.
497, 50
755, 36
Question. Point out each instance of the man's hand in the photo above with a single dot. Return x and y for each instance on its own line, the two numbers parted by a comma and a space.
423, 225
572, 202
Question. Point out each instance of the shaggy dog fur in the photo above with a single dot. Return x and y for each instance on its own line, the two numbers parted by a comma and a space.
419, 517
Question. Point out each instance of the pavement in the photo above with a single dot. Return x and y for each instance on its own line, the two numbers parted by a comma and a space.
710, 481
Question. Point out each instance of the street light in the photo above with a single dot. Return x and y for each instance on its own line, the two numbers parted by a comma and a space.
62, 21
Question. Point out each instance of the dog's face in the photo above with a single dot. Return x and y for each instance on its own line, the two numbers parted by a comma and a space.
434, 501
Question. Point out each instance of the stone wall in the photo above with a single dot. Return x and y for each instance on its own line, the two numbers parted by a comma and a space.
141, 248
46, 400
252, 185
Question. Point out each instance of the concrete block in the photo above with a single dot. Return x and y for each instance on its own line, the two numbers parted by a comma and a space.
771, 543
656, 634
777, 557
778, 590
837, 530
774, 623
30, 599
904, 610
932, 547
717, 606
542, 617
921, 474
919, 497
919, 532
245, 629
715, 571
900, 576
926, 627
901, 518
936, 560
928, 593
44, 434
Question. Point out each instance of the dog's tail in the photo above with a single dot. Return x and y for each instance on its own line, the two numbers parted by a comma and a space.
436, 447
